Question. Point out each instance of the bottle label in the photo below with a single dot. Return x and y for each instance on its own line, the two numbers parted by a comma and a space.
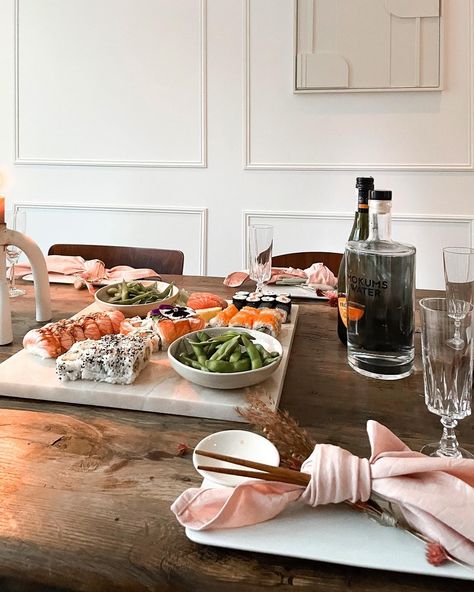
367, 286
342, 305
356, 311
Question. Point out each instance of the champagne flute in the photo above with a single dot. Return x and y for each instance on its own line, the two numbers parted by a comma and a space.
260, 253
13, 252
447, 372
459, 276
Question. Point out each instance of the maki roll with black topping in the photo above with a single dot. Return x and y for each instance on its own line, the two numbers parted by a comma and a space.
253, 300
239, 300
268, 302
283, 303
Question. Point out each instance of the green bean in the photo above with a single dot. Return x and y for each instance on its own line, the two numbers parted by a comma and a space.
202, 336
235, 355
243, 365
112, 291
200, 355
166, 292
190, 362
123, 290
262, 351
221, 349
211, 348
219, 366
217, 339
225, 349
135, 299
268, 361
253, 352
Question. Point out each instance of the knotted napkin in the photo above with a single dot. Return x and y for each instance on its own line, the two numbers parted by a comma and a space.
318, 274
87, 272
434, 495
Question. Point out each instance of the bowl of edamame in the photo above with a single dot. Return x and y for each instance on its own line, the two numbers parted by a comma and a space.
225, 357
135, 298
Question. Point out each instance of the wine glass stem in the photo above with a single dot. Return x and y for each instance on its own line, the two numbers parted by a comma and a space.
12, 277
259, 287
457, 330
448, 444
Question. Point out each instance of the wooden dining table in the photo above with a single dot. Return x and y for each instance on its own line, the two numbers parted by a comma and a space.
85, 492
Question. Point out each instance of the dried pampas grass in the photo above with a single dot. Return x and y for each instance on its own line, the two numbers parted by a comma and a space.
293, 442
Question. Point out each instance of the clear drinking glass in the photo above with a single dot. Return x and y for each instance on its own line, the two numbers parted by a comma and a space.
459, 276
18, 222
447, 372
260, 253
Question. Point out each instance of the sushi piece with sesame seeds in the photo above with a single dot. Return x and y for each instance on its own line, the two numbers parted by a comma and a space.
117, 359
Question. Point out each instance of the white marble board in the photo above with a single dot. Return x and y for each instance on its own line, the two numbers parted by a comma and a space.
158, 388
333, 534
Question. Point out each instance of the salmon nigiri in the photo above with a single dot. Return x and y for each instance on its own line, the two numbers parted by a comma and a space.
199, 300
42, 342
54, 339
90, 328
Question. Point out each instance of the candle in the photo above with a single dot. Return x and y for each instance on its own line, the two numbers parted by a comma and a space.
2, 210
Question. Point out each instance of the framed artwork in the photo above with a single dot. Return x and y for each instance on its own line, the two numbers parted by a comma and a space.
367, 45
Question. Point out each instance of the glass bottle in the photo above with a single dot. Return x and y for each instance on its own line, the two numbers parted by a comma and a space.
380, 280
360, 231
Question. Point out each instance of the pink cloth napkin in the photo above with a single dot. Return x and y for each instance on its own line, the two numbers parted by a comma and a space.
435, 495
318, 273
90, 271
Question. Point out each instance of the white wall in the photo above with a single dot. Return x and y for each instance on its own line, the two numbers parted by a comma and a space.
181, 115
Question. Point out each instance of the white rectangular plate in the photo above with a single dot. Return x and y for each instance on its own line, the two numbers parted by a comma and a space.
334, 534
60, 278
158, 388
293, 291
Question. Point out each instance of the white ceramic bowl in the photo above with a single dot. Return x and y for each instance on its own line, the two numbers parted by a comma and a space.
230, 380
133, 310
238, 443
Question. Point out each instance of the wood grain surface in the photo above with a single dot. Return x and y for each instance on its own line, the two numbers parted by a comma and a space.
85, 492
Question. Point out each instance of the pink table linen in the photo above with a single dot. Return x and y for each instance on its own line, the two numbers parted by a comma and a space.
435, 495
90, 271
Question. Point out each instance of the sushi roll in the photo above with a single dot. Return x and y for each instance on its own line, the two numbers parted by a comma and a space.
244, 318
268, 321
239, 300
253, 300
117, 359
242, 293
283, 303
222, 318
169, 330
268, 302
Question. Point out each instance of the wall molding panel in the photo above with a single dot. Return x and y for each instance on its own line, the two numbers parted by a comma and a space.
199, 162
327, 231
251, 163
140, 226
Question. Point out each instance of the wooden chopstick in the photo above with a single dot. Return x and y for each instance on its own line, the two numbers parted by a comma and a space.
269, 472
294, 480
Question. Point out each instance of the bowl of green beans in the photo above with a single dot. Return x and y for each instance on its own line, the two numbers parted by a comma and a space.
225, 357
135, 298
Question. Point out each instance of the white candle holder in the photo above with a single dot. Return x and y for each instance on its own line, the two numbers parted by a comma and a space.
40, 277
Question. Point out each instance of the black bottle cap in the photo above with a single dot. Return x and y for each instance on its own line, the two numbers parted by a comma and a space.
364, 183
381, 195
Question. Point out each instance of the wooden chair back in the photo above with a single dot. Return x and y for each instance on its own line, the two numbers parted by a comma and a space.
304, 260
163, 261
